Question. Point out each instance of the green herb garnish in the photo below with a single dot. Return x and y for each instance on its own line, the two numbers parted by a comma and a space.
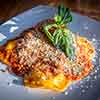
61, 37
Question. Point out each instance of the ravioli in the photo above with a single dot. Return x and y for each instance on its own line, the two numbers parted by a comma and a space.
48, 67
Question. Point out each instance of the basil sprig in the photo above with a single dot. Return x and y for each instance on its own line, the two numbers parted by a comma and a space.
61, 37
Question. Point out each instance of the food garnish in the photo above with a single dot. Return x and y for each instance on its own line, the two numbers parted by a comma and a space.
61, 37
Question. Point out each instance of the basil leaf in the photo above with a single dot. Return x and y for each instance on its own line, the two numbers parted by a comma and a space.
57, 36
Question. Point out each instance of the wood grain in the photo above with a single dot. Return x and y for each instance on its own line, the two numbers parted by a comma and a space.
10, 8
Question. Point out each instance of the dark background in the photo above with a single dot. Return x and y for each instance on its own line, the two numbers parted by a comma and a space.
9, 8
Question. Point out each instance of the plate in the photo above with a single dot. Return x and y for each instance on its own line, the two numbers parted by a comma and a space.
11, 87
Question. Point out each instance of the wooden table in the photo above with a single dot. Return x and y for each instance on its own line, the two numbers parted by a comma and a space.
10, 8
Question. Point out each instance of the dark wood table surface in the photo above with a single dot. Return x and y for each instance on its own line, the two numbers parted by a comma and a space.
10, 8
